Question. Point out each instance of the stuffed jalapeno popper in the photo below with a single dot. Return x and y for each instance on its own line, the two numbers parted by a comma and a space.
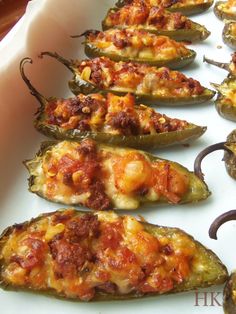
226, 102
111, 119
102, 256
155, 20
148, 84
187, 7
105, 177
137, 46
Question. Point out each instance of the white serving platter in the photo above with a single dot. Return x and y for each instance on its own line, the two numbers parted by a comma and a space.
47, 25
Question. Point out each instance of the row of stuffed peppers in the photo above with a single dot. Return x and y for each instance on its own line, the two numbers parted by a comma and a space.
143, 31
156, 20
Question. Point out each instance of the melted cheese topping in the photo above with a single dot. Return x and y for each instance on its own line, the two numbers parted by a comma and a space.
142, 16
233, 29
228, 6
111, 115
173, 3
79, 255
137, 44
140, 79
74, 173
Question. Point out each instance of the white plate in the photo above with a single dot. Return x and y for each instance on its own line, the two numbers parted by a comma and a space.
47, 25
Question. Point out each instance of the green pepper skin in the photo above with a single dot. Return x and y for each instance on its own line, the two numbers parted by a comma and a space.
214, 271
77, 86
146, 142
230, 156
196, 33
192, 9
186, 10
198, 189
227, 111
229, 304
228, 38
176, 63
221, 14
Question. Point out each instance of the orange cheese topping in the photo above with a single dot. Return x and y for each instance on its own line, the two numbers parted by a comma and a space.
168, 3
141, 16
137, 44
112, 115
73, 173
228, 6
81, 255
140, 79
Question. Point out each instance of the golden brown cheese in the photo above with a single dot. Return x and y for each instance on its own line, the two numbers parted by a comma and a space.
139, 44
228, 91
78, 255
101, 177
232, 29
142, 16
228, 6
139, 78
112, 115
169, 3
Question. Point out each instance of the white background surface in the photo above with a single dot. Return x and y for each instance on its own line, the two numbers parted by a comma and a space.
48, 25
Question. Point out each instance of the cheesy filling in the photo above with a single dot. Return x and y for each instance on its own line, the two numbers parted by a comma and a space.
142, 16
140, 79
231, 30
111, 115
228, 7
101, 177
228, 91
137, 44
173, 3
81, 255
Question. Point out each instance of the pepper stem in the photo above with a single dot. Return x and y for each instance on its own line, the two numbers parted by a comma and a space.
67, 63
32, 89
86, 33
216, 86
230, 215
221, 65
204, 153
121, 3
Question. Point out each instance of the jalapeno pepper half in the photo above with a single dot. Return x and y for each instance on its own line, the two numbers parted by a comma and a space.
148, 84
75, 256
186, 7
105, 177
225, 102
137, 46
229, 156
111, 119
155, 20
